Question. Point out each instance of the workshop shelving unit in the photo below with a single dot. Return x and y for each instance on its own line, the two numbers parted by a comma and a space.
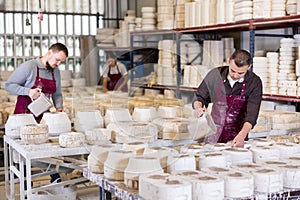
250, 25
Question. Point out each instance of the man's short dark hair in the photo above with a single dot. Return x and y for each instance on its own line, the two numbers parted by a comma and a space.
241, 58
59, 47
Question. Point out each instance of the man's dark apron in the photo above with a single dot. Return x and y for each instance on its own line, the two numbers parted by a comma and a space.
228, 113
116, 80
48, 87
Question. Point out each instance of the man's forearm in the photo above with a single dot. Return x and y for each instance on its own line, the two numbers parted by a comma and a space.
245, 129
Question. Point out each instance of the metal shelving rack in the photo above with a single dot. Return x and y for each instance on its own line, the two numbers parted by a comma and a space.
142, 39
250, 25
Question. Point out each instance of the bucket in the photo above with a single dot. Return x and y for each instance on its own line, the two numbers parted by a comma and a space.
40, 105
202, 126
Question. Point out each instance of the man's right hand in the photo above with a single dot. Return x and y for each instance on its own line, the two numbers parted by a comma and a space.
34, 93
198, 112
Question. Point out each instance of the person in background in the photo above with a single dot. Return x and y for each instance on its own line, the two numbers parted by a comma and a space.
39, 75
115, 76
236, 94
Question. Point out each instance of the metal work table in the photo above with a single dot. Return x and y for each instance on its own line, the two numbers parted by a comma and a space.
27, 154
116, 188
119, 189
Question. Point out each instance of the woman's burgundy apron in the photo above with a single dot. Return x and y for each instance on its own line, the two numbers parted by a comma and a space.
48, 87
116, 80
228, 113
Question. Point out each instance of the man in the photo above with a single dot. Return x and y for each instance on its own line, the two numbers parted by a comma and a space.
38, 75
115, 76
236, 95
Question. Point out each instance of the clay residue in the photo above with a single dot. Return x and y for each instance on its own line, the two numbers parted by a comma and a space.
106, 146
236, 174
259, 146
275, 163
161, 177
139, 124
213, 154
218, 169
172, 182
189, 173
261, 140
157, 148
122, 151
194, 147
167, 119
30, 125
294, 158
220, 145
146, 158
206, 178
292, 166
135, 143
247, 166
265, 170
182, 156
284, 144
236, 150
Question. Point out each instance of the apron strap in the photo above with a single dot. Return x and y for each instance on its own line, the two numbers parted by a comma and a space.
220, 87
53, 75
118, 68
109, 70
37, 72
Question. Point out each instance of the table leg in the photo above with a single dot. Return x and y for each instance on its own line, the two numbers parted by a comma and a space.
102, 193
28, 176
107, 195
22, 177
12, 178
6, 169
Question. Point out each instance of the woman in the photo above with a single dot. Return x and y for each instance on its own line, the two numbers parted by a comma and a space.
115, 76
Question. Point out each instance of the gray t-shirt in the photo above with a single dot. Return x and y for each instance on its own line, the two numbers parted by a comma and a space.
23, 78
